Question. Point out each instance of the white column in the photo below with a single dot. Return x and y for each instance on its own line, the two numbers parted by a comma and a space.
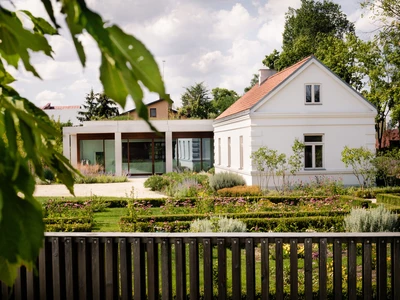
66, 146
74, 150
168, 151
118, 153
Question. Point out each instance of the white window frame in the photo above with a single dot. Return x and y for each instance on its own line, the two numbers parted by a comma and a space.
219, 151
229, 152
312, 94
241, 152
313, 144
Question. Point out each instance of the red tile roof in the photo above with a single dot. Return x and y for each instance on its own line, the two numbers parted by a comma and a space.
49, 106
258, 92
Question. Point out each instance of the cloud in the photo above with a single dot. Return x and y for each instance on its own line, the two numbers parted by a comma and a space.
47, 96
80, 85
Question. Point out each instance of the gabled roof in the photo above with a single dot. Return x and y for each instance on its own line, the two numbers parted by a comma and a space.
60, 107
147, 104
258, 92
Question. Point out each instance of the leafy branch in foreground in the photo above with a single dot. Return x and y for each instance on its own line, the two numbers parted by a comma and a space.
27, 138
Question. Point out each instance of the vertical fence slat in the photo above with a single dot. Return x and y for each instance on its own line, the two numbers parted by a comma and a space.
208, 269
139, 272
194, 268
381, 275
31, 286
236, 270
352, 269
111, 268
294, 266
82, 271
264, 269
4, 291
19, 284
308, 268
221, 269
396, 268
46, 289
125, 255
250, 270
367, 269
96, 278
166, 275
55, 257
69, 268
322, 269
279, 268
337, 269
152, 270
180, 266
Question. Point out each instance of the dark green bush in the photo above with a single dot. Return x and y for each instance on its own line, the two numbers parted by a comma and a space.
240, 191
156, 183
225, 180
75, 227
71, 220
48, 174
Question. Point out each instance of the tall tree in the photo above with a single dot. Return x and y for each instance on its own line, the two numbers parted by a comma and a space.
27, 139
97, 106
196, 102
222, 99
304, 29
253, 82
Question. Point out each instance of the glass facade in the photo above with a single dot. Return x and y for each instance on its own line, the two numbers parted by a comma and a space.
98, 152
195, 154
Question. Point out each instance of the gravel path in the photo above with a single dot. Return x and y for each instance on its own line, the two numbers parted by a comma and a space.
123, 189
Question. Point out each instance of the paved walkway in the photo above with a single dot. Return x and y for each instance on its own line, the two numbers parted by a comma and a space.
123, 189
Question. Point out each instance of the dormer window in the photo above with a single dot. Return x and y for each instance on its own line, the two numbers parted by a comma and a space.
313, 95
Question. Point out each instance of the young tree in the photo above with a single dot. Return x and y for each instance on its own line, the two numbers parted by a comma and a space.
89, 107
196, 102
361, 161
222, 99
27, 138
97, 106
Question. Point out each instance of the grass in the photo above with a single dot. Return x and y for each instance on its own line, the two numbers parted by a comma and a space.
107, 220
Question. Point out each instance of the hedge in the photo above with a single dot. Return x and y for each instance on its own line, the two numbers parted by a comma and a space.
75, 227
70, 220
269, 214
112, 202
388, 199
295, 224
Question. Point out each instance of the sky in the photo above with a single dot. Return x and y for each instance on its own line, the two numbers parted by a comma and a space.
218, 42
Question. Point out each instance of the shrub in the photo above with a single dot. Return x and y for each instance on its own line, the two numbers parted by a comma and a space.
388, 198
374, 220
48, 174
226, 180
156, 183
230, 225
240, 191
218, 224
202, 225
100, 179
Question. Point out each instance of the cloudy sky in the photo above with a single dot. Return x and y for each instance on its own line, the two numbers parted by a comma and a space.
220, 42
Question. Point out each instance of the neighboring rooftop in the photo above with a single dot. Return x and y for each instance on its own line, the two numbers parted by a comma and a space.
259, 91
64, 113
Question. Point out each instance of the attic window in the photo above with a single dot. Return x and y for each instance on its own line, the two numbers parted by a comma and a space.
313, 95
153, 112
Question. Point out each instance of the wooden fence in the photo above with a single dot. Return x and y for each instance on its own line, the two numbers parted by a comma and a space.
153, 266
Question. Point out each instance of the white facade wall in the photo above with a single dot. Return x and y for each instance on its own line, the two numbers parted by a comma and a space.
343, 118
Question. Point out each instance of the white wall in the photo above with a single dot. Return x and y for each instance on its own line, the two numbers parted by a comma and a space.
344, 118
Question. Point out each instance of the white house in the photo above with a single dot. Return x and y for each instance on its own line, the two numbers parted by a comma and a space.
306, 101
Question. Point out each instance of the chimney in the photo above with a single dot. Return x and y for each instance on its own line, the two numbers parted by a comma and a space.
264, 74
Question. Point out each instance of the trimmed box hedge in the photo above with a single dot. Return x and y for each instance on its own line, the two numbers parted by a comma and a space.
388, 199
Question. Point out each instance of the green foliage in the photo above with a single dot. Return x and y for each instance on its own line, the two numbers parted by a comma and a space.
156, 183
253, 82
27, 139
48, 175
196, 102
388, 199
225, 180
373, 220
58, 125
222, 99
97, 106
272, 164
101, 178
387, 164
303, 28
361, 162
240, 191
218, 224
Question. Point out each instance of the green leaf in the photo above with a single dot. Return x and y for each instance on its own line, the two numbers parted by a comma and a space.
8, 271
49, 8
132, 52
40, 24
